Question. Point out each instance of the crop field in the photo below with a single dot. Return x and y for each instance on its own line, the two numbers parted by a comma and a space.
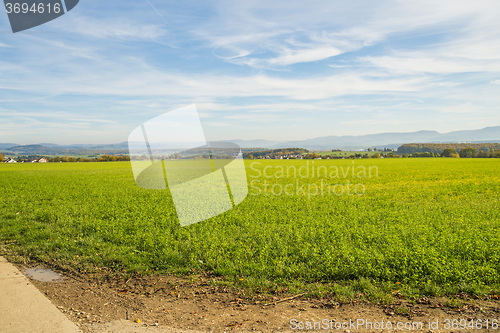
342, 227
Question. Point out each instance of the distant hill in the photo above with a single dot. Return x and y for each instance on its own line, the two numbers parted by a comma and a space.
56, 150
348, 142
394, 140
112, 146
488, 134
49, 145
32, 150
7, 145
382, 140
253, 143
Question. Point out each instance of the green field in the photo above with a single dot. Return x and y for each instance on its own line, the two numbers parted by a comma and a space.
420, 226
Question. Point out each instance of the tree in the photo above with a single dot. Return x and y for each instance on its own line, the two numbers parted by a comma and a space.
1, 157
468, 152
482, 154
369, 149
449, 152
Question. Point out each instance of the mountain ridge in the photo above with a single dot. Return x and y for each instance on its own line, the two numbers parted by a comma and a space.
395, 139
346, 142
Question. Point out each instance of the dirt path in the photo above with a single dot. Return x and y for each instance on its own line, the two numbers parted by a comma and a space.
173, 304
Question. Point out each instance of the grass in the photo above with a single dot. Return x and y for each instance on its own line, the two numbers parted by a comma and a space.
402, 311
422, 226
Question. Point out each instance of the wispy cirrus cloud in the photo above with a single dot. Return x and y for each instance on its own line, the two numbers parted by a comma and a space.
418, 63
116, 28
334, 26
264, 68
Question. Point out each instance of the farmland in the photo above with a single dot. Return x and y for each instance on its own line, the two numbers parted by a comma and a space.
421, 226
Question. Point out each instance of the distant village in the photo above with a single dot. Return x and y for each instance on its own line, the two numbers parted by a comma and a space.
65, 159
40, 160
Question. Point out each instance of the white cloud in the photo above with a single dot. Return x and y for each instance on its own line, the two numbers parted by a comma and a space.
118, 28
416, 63
55, 117
290, 57
335, 26
466, 108
218, 124
359, 58
127, 79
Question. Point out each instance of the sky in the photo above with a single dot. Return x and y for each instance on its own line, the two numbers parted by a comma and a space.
275, 70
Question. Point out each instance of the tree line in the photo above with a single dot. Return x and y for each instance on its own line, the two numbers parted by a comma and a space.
439, 148
274, 153
463, 153
67, 159
103, 158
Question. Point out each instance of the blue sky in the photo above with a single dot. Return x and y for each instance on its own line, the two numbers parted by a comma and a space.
277, 70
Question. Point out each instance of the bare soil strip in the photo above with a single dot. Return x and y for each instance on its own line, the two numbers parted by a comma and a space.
174, 304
